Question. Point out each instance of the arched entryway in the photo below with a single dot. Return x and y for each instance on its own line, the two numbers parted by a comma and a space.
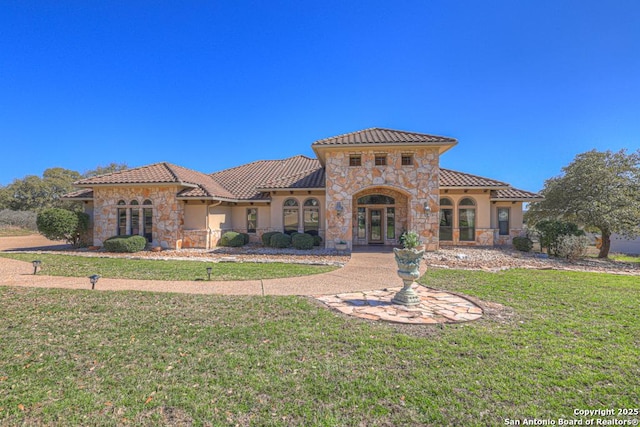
379, 216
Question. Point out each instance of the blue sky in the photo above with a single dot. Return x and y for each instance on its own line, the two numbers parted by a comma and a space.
523, 85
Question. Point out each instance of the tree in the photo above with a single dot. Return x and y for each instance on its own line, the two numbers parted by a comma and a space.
62, 224
34, 193
599, 191
103, 170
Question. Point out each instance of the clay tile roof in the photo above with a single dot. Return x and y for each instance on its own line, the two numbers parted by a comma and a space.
306, 179
161, 173
451, 178
82, 194
246, 181
384, 136
514, 194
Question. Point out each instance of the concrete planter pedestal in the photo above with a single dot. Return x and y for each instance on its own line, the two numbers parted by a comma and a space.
408, 261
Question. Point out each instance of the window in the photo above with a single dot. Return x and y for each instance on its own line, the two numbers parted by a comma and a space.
467, 219
376, 199
362, 223
311, 217
446, 219
122, 219
252, 220
391, 223
134, 215
407, 159
381, 160
503, 221
355, 160
147, 224
290, 216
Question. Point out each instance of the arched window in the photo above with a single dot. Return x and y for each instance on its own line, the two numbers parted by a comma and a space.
467, 219
147, 220
290, 216
134, 203
311, 216
446, 219
122, 219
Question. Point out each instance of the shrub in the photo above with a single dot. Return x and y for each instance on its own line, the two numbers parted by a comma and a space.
232, 239
317, 240
245, 237
550, 232
573, 247
128, 244
302, 241
266, 237
523, 244
19, 219
410, 240
280, 240
62, 224
290, 232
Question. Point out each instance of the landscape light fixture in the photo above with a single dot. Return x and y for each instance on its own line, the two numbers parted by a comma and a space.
36, 264
94, 280
209, 272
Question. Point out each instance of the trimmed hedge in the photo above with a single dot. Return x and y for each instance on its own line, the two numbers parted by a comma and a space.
125, 244
246, 237
232, 239
266, 237
317, 240
280, 240
523, 244
302, 241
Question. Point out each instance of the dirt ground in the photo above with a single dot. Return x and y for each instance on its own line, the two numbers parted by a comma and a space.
31, 242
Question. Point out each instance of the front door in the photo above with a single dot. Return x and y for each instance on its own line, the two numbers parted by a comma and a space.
375, 226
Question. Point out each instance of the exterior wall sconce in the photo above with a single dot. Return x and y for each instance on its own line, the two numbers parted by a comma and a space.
339, 208
427, 208
36, 264
94, 280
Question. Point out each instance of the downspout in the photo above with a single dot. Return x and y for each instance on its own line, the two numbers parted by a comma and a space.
206, 221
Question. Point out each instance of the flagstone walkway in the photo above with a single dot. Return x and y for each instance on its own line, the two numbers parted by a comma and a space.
363, 288
434, 307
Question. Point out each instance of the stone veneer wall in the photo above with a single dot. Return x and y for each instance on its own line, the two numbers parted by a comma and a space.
167, 212
507, 240
418, 181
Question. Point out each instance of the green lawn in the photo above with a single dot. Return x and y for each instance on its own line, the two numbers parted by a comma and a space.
625, 258
123, 268
562, 341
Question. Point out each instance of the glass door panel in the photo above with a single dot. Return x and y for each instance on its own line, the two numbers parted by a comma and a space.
375, 226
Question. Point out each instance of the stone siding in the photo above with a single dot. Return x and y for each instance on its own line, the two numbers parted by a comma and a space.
418, 182
167, 212
507, 240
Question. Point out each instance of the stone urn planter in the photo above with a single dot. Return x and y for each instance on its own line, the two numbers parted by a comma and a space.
341, 246
408, 260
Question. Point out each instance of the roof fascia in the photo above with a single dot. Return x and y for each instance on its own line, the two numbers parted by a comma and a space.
496, 187
138, 184
515, 199
291, 189
320, 149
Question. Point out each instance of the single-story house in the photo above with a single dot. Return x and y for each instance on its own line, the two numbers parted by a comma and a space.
364, 188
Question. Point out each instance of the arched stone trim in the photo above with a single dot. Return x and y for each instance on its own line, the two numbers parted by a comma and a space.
392, 216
